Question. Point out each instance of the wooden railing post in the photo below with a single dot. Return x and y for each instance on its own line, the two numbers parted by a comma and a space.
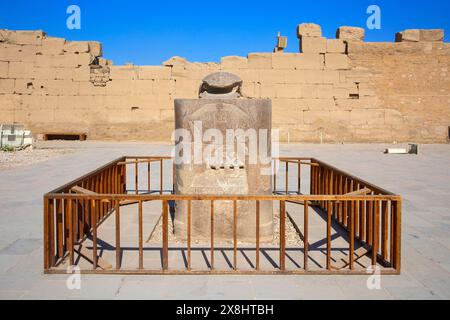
282, 235
136, 177
234, 234
49, 255
384, 229
305, 233
165, 235
212, 234
188, 234
149, 176
161, 177
287, 176
117, 209
351, 237
275, 176
59, 228
71, 230
94, 233
141, 254
375, 232
257, 222
398, 236
328, 238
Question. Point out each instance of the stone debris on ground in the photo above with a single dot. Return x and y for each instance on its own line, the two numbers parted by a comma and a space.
28, 156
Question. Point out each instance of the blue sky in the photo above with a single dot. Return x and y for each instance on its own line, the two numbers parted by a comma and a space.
149, 32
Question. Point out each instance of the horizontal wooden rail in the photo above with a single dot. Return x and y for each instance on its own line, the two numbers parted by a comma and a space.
174, 197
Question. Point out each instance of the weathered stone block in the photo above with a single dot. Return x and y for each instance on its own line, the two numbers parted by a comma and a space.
95, 48
335, 46
361, 103
88, 88
350, 33
44, 73
164, 87
64, 73
260, 60
356, 75
176, 61
367, 116
298, 61
82, 73
408, 35
233, 62
65, 60
340, 117
267, 90
393, 117
7, 53
288, 91
309, 30
331, 76
31, 86
141, 87
123, 73
4, 69
268, 76
6, 86
10, 102
120, 87
366, 89
317, 117
185, 88
309, 91
345, 90
104, 62
60, 87
166, 114
36, 102
336, 61
153, 72
286, 111
309, 61
204, 178
416, 35
72, 60
33, 37
52, 45
27, 53
355, 46
44, 61
324, 91
313, 44
18, 53
20, 69
312, 76
248, 90
76, 46
318, 104
293, 76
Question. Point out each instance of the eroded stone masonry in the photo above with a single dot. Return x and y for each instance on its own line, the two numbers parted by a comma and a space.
334, 90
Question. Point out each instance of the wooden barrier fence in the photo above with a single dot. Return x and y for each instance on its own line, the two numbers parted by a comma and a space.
369, 214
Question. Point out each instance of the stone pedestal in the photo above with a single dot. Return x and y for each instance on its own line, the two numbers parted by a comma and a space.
221, 175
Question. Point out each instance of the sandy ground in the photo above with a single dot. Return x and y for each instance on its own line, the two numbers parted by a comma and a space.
29, 156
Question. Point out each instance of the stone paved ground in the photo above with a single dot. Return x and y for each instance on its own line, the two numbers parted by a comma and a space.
423, 181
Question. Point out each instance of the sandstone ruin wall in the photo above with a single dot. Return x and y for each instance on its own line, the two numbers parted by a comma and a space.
335, 90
